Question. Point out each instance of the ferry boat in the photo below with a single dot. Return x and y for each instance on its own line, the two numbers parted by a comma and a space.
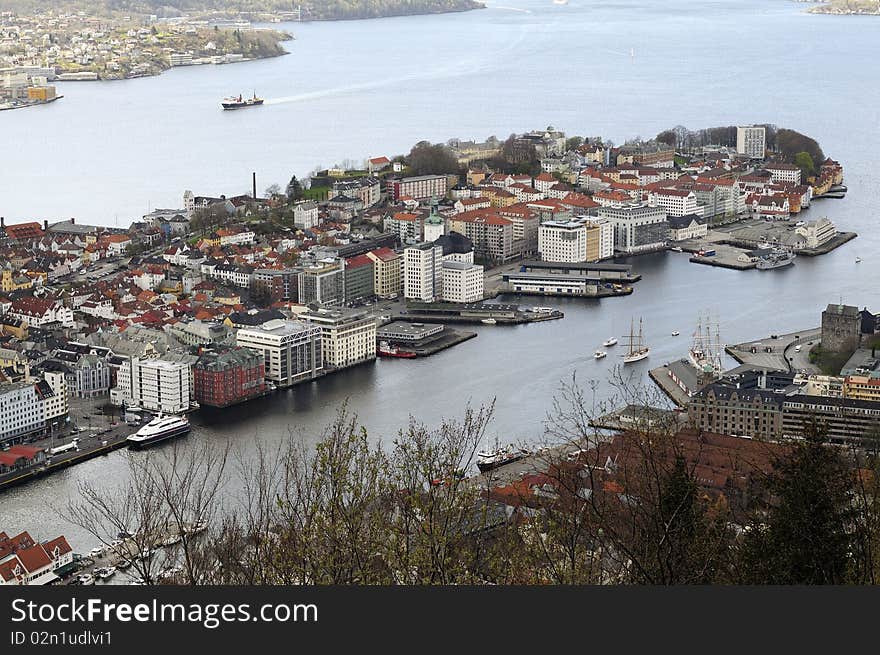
611, 341
237, 102
599, 354
776, 259
159, 429
387, 350
486, 461
637, 348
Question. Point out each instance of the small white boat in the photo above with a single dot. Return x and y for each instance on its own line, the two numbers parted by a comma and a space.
85, 579
675, 333
858, 260
612, 341
677, 249
104, 572
489, 321
599, 354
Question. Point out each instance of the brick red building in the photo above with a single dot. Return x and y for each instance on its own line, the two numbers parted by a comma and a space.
227, 377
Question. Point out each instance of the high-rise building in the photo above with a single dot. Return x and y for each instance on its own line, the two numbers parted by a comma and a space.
348, 337
751, 140
422, 272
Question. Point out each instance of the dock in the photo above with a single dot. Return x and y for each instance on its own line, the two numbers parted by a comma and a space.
678, 380
777, 352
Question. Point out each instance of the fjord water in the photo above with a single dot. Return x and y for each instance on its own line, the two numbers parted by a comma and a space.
108, 152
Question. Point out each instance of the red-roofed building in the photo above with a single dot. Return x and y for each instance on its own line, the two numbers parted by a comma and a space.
24, 232
24, 562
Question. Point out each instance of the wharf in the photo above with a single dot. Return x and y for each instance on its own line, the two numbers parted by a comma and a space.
448, 339
89, 447
640, 417
687, 383
778, 352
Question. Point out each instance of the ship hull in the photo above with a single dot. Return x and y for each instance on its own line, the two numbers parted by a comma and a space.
241, 105
485, 466
146, 442
636, 357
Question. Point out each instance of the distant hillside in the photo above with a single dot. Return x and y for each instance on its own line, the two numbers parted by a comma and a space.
312, 9
871, 7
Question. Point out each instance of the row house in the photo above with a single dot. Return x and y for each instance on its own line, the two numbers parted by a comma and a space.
39, 312
25, 562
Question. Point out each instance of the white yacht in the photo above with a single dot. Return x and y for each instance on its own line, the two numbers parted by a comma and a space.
599, 354
159, 429
611, 341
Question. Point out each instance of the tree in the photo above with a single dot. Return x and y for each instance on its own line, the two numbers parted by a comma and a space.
804, 161
668, 137
272, 190
789, 143
573, 143
430, 159
805, 534
294, 189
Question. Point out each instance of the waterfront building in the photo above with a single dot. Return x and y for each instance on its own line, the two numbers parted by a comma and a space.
388, 272
691, 226
21, 413
157, 385
816, 232
638, 227
348, 337
291, 350
422, 187
227, 376
462, 282
751, 141
90, 376
422, 272
841, 328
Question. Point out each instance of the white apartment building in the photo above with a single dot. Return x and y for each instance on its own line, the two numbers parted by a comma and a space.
784, 173
156, 385
676, 202
422, 272
560, 241
21, 412
604, 248
751, 140
291, 350
347, 337
55, 406
305, 214
462, 282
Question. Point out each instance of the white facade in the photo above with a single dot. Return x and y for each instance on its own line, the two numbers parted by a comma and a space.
21, 412
422, 272
291, 350
563, 241
676, 202
784, 173
462, 282
347, 338
55, 406
305, 214
154, 384
751, 140
606, 237
817, 232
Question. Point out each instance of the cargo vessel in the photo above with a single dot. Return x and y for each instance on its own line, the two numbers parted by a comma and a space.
238, 102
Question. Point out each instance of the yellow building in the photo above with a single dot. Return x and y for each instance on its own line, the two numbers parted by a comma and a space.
862, 387
14, 327
41, 93
387, 272
9, 281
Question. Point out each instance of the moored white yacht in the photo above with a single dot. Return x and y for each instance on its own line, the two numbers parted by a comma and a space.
159, 429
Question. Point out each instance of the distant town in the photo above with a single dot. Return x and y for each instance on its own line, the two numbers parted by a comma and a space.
225, 299
38, 49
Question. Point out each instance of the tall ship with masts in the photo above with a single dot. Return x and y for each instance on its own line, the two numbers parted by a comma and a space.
705, 351
637, 349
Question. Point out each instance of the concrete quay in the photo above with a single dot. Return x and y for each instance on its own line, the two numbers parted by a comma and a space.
779, 352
